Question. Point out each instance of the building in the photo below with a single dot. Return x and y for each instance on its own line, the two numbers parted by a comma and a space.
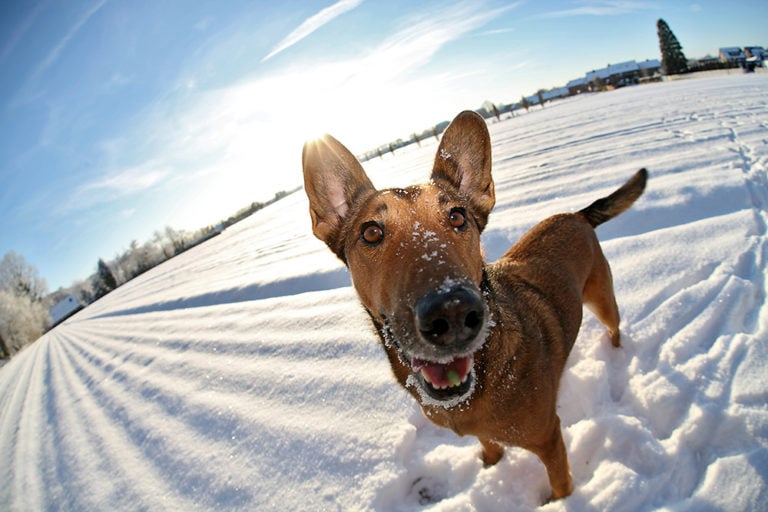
732, 55
553, 94
755, 52
577, 86
618, 75
755, 57
650, 68
65, 308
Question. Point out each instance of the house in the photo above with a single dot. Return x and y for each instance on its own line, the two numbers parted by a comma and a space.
614, 76
756, 54
649, 68
732, 55
596, 79
553, 94
65, 308
577, 86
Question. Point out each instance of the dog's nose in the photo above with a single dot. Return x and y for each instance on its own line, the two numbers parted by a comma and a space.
450, 317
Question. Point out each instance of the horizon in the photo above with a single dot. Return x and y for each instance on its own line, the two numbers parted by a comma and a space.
119, 120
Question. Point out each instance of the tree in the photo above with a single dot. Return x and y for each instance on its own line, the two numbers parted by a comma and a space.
104, 280
5, 350
673, 59
21, 278
22, 321
23, 312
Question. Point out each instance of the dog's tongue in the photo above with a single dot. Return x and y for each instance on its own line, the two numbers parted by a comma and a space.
443, 375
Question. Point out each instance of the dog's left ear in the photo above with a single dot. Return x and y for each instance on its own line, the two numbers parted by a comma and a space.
333, 180
463, 162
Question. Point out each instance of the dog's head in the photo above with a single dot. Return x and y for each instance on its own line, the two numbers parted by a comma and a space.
414, 253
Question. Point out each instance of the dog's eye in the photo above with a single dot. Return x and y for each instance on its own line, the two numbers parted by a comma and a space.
458, 218
372, 233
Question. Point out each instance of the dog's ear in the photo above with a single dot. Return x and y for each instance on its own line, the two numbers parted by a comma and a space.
333, 181
463, 162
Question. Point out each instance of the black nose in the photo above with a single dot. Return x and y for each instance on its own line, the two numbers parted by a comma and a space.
450, 317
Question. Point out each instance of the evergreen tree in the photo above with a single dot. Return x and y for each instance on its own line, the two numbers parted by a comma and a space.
104, 280
673, 59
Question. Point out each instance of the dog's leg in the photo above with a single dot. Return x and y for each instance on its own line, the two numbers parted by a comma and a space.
492, 452
552, 454
598, 296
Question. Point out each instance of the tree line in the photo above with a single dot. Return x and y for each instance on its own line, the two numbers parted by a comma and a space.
24, 299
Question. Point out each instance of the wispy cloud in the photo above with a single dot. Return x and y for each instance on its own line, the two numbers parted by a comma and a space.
31, 91
313, 23
117, 185
423, 36
600, 8
55, 52
499, 31
235, 147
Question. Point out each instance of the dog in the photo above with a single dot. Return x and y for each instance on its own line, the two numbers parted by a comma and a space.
480, 346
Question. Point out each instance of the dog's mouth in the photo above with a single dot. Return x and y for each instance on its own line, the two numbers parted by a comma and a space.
444, 384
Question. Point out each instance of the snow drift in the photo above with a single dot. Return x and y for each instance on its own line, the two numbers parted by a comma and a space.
243, 375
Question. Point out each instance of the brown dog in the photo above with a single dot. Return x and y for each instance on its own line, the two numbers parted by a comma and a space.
481, 347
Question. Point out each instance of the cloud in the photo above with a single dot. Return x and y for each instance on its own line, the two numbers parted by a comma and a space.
313, 23
116, 185
239, 143
600, 8
30, 92
53, 55
421, 37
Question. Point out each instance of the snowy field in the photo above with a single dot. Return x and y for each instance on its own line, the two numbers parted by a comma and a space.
243, 374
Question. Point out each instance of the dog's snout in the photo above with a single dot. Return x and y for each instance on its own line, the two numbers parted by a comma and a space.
450, 318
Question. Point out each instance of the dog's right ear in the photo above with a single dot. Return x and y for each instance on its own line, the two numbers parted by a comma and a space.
333, 180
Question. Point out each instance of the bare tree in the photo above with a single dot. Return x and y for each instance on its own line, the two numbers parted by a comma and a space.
21, 278
23, 312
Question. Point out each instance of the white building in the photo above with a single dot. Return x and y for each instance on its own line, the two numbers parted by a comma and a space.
65, 308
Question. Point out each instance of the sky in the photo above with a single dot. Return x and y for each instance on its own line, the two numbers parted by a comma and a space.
119, 118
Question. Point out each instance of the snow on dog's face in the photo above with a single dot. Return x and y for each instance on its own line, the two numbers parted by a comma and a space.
416, 265
414, 253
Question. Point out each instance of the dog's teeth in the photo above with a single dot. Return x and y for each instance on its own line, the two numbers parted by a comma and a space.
426, 376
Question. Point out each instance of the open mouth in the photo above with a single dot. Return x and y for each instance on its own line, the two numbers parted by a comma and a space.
444, 383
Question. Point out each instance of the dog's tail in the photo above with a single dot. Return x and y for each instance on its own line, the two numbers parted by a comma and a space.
615, 204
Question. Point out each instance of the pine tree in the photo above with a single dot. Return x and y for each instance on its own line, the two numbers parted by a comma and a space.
673, 59
104, 280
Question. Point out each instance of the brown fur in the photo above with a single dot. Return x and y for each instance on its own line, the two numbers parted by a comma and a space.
531, 297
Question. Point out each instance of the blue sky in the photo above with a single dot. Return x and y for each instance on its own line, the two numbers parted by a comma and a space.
118, 118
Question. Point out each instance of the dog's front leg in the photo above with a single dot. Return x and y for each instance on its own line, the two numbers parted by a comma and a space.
552, 454
492, 452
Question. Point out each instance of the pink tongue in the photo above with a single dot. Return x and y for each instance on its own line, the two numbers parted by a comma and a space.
442, 375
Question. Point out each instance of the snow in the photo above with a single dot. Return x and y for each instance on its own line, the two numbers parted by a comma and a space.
243, 374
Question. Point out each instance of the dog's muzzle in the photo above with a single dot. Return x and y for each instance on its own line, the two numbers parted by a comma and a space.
452, 324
